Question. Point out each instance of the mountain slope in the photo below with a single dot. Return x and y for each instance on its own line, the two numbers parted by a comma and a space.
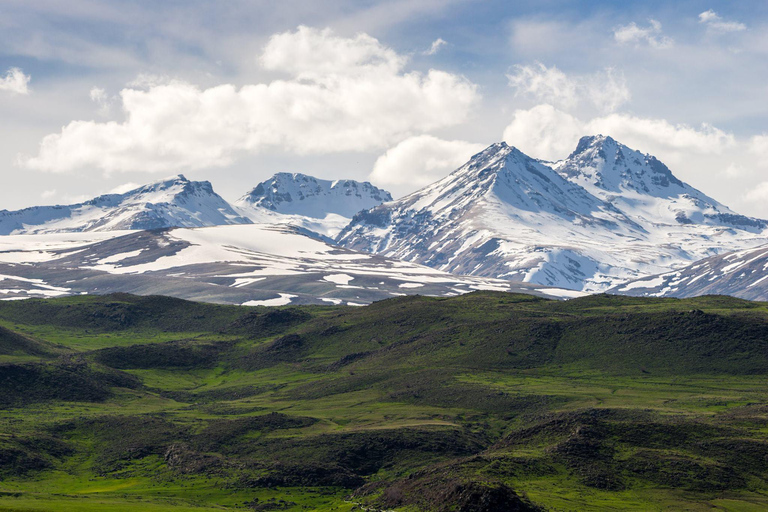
173, 202
255, 264
322, 206
741, 274
644, 188
583, 225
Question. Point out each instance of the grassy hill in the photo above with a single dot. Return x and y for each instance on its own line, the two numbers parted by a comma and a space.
483, 402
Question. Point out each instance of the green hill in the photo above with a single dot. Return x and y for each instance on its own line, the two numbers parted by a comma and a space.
482, 402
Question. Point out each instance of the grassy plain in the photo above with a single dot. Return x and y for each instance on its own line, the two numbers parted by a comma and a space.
484, 402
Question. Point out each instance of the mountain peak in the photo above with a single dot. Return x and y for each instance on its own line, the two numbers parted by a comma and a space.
165, 190
170, 202
602, 163
491, 157
170, 180
492, 150
643, 186
497, 146
605, 214
301, 194
593, 141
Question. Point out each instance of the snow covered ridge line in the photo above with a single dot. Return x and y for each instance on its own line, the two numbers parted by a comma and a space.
255, 265
174, 202
741, 274
605, 215
320, 206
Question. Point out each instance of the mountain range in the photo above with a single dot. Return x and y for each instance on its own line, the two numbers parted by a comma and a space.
251, 264
604, 219
604, 215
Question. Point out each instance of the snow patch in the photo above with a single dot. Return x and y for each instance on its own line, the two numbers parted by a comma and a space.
282, 300
343, 279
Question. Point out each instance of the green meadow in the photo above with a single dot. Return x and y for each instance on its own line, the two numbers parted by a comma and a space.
483, 402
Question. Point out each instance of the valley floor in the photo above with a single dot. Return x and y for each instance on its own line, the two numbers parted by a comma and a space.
487, 401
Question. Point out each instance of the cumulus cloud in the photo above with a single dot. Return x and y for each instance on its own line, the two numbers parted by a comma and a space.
548, 133
715, 23
420, 160
100, 97
436, 45
544, 84
544, 132
650, 35
607, 90
341, 94
313, 53
15, 81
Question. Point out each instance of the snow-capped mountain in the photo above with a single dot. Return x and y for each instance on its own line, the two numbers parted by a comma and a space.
740, 274
321, 206
173, 202
605, 215
645, 188
246, 264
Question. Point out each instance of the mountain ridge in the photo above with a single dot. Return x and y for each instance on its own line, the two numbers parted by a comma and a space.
742, 274
522, 226
170, 202
641, 182
321, 206
605, 215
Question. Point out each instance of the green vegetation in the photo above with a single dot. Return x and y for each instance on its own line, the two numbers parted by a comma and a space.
483, 402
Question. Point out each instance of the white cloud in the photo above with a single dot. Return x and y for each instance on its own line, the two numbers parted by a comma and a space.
715, 23
548, 133
660, 133
103, 100
758, 194
419, 161
125, 187
47, 194
737, 171
343, 94
320, 54
149, 80
15, 81
436, 45
544, 132
98, 95
637, 35
545, 84
758, 146
606, 90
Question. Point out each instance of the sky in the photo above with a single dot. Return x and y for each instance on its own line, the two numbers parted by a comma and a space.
101, 96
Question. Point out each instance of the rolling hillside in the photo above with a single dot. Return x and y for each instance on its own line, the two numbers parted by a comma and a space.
483, 402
